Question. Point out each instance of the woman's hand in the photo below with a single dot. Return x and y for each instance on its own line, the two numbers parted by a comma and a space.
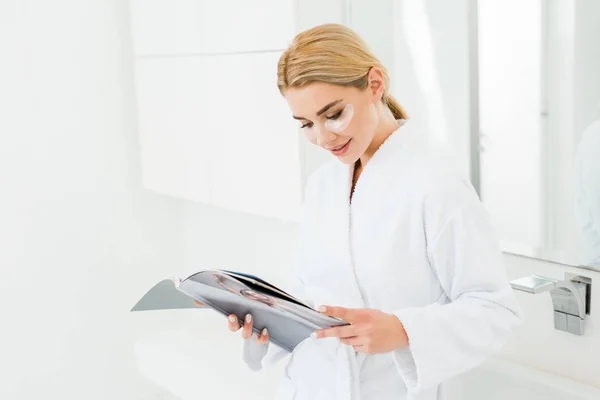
370, 331
234, 326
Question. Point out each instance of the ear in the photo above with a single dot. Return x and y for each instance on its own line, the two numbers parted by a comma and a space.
376, 83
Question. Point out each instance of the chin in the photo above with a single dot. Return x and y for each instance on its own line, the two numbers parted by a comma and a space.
348, 159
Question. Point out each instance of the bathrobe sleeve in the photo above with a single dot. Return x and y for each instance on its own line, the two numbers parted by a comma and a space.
447, 340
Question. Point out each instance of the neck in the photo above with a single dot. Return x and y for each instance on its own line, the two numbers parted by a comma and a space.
386, 126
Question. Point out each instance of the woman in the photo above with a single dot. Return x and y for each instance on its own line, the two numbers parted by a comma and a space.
392, 240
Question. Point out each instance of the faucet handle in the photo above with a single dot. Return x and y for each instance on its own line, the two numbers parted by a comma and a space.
570, 297
534, 284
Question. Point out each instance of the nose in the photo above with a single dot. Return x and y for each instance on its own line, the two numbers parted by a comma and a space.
326, 137
322, 135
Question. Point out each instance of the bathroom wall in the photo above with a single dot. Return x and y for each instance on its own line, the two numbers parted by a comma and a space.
80, 239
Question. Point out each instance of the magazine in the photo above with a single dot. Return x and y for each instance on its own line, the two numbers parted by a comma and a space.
288, 319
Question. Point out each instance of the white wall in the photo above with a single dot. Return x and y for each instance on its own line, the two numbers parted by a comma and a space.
80, 240
510, 105
218, 238
430, 77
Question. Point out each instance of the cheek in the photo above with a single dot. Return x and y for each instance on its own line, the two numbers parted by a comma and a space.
362, 126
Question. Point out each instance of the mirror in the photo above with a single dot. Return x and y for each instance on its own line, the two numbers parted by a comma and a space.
539, 124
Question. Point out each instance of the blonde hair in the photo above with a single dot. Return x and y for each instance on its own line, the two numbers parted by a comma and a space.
335, 54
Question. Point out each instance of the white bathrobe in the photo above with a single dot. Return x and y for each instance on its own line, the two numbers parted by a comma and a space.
415, 242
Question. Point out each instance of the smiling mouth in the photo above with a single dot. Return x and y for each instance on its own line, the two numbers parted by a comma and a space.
340, 147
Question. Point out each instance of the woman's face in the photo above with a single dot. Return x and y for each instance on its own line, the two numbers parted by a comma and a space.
339, 119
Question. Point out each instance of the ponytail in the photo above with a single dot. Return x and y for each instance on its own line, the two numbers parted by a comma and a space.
395, 107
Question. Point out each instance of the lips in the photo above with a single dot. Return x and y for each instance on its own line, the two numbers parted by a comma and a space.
340, 151
338, 147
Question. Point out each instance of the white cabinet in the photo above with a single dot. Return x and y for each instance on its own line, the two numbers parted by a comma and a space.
173, 122
213, 126
175, 27
256, 157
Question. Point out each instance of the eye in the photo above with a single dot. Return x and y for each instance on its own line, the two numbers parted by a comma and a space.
307, 125
336, 115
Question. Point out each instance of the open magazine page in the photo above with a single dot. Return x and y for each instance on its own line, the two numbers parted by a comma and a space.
265, 286
164, 296
288, 320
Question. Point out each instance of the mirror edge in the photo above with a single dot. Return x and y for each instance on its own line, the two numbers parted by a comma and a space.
540, 254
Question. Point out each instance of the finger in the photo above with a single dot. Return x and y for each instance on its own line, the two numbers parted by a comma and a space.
264, 337
232, 322
247, 331
338, 331
198, 303
353, 341
360, 348
347, 314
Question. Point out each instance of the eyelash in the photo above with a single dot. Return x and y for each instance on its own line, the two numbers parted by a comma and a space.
334, 117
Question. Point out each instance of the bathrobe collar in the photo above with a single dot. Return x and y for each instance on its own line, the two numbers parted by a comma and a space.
372, 183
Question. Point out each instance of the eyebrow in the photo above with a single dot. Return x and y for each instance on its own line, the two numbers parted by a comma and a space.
322, 110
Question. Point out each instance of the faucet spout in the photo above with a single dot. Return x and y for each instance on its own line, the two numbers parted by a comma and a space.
570, 298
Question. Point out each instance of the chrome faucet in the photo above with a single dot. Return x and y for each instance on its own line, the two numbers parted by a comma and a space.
570, 297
